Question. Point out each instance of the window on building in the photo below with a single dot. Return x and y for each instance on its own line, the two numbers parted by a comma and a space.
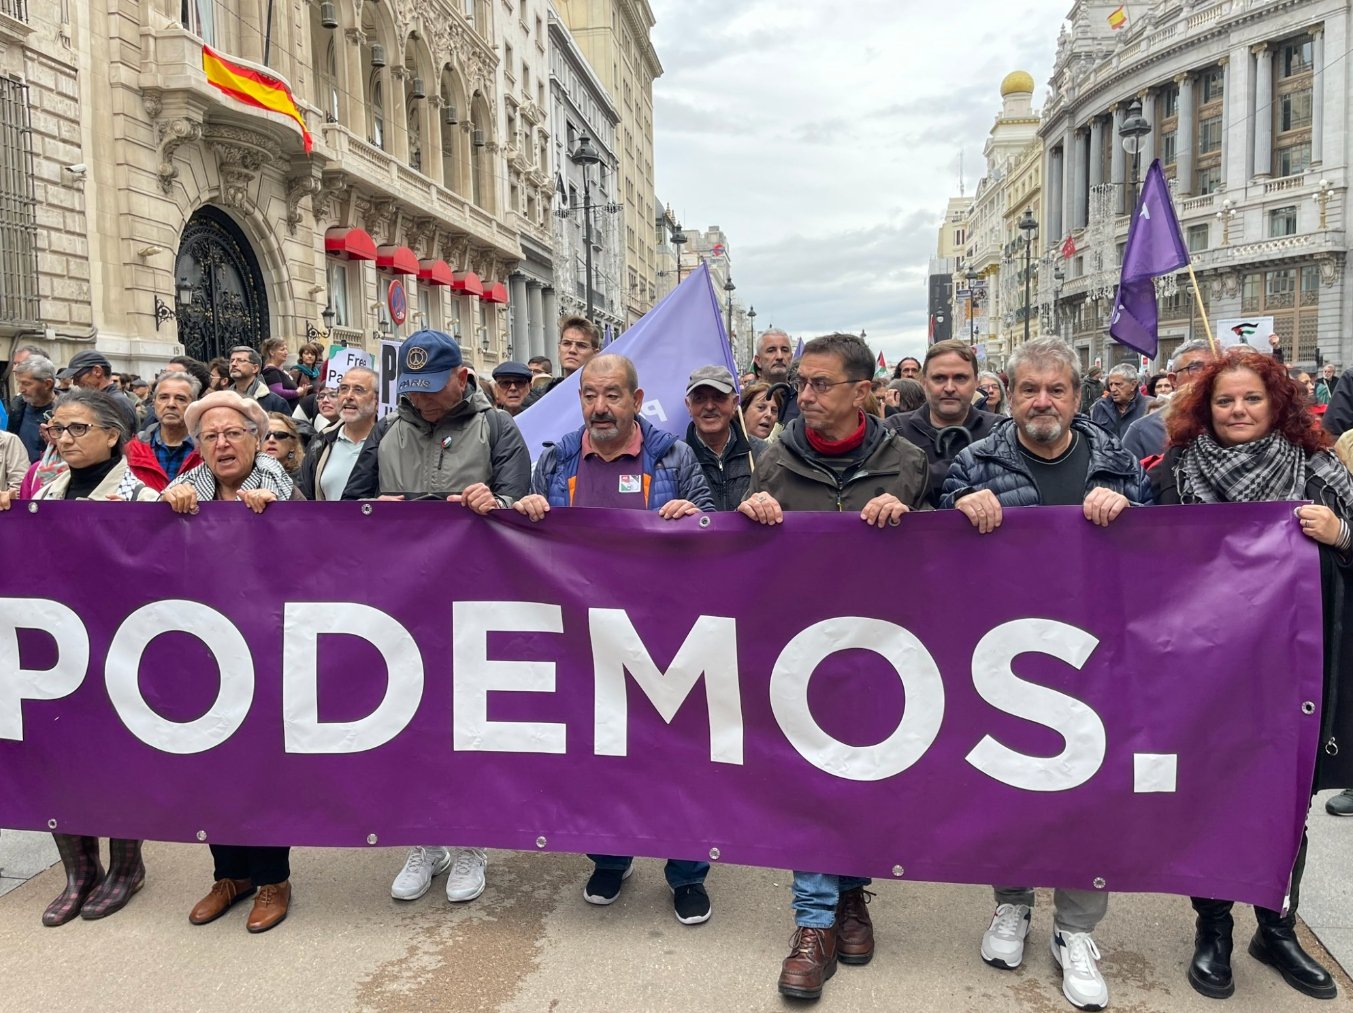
18, 221
1209, 135
1291, 112
508, 65
329, 83
1212, 83
377, 106
1197, 238
1169, 102
1282, 221
338, 292
1209, 180
199, 17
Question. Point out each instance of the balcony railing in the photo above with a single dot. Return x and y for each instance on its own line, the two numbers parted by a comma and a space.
16, 9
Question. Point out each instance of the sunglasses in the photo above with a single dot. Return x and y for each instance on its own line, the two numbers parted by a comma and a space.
279, 435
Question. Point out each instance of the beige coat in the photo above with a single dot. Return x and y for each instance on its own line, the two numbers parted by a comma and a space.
56, 488
13, 461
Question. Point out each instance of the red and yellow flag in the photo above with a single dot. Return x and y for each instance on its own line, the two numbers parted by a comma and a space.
252, 86
1118, 18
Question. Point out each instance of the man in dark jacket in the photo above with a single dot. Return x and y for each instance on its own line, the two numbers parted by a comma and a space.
1092, 389
726, 454
834, 457
947, 422
91, 370
36, 377
1338, 417
1046, 453
245, 366
1125, 403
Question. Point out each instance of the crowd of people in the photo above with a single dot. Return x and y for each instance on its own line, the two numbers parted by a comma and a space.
817, 431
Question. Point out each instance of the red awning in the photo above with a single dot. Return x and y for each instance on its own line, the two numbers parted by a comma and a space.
467, 282
349, 244
397, 260
434, 272
497, 292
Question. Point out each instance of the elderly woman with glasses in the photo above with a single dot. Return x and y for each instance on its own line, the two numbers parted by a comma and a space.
229, 429
89, 428
989, 386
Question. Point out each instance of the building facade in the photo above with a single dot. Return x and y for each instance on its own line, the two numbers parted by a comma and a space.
614, 38
950, 248
580, 107
990, 309
168, 217
528, 157
1247, 105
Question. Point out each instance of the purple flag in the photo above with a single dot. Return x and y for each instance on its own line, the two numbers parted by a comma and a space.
606, 681
1155, 246
668, 343
798, 350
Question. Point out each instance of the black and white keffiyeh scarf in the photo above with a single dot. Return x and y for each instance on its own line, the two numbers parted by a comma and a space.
267, 474
1268, 469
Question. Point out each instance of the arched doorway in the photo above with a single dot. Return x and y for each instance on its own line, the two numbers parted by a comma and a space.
229, 304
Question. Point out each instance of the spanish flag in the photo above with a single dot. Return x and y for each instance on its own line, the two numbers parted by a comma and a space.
253, 86
1118, 18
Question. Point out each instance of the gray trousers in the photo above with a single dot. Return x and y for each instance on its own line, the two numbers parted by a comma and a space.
1073, 910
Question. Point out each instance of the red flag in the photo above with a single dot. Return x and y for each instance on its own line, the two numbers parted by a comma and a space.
883, 363
1069, 248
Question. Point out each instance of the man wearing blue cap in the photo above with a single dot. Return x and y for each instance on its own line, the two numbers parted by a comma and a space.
444, 441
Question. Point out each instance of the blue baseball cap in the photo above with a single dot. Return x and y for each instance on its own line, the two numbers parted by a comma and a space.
426, 360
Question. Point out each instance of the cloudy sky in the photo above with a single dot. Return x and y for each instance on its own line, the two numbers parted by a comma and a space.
824, 139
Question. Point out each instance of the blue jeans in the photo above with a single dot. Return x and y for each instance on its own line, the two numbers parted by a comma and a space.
816, 895
679, 871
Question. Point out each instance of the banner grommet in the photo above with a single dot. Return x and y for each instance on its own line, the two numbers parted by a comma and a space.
1308, 707
201, 835
714, 854
1099, 883
371, 838
540, 841
899, 871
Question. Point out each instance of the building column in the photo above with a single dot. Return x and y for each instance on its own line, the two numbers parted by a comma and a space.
1318, 95
1052, 172
1081, 206
1262, 110
1118, 163
1096, 151
1226, 76
1186, 135
549, 319
1067, 189
432, 142
536, 304
517, 300
1149, 141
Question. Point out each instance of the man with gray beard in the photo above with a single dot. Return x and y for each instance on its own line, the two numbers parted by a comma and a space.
1047, 455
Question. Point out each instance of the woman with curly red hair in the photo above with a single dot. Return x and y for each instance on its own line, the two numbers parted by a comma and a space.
1241, 433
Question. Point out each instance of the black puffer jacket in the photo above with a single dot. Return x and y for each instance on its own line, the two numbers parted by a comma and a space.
916, 428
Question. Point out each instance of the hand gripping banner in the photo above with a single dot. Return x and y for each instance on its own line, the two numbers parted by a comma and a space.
1133, 708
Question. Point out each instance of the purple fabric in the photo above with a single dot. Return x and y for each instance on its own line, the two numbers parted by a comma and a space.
1155, 246
1212, 663
617, 484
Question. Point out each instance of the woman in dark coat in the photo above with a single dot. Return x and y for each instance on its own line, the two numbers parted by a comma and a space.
1241, 433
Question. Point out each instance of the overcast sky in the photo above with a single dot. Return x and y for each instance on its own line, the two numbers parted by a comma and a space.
824, 139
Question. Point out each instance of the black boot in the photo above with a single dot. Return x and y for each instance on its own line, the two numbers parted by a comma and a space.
1275, 943
80, 857
1210, 971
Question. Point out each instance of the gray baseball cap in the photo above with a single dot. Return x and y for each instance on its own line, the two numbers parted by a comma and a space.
712, 376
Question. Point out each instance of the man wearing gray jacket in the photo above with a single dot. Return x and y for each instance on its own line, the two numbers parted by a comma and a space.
446, 442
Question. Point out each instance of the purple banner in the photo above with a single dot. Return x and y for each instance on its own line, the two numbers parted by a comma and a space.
1133, 708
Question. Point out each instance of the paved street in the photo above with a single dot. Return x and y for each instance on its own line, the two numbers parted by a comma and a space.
530, 943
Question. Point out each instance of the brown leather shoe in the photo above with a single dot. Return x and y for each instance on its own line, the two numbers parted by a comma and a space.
811, 961
270, 906
224, 893
854, 929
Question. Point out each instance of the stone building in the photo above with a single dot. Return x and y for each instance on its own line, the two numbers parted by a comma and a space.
156, 213
1247, 105
614, 38
580, 107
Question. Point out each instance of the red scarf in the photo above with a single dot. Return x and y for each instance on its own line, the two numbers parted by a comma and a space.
835, 448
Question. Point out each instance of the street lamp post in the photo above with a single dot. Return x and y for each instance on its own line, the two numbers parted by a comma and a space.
729, 288
972, 277
1133, 130
587, 156
1028, 226
678, 240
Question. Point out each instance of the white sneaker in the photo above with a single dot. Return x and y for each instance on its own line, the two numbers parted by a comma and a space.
1003, 943
416, 877
1078, 957
466, 881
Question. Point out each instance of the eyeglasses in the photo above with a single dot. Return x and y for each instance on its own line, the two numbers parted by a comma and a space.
819, 384
76, 429
515, 382
1191, 368
326, 395
229, 435
279, 435
991, 389
345, 389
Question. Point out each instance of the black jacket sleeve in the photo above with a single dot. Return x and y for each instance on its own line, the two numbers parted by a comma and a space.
510, 460
1339, 415
365, 480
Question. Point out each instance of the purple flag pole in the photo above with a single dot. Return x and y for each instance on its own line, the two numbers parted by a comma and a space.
1155, 246
676, 337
